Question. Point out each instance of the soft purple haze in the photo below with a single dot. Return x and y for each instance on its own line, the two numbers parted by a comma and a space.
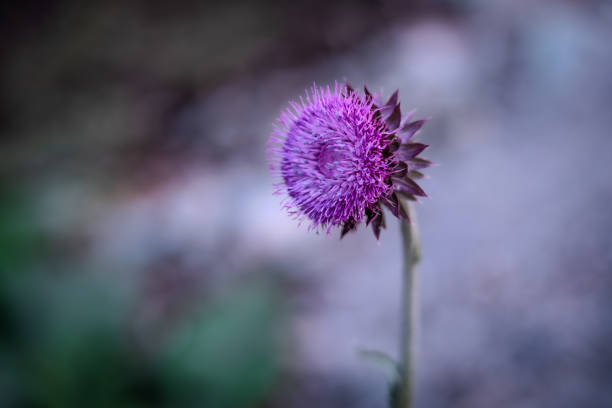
138, 129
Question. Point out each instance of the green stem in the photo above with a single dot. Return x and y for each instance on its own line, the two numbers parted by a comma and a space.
412, 253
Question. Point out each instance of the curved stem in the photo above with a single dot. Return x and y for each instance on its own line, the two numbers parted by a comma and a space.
412, 253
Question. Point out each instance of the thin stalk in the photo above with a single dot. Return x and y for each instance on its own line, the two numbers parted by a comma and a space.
412, 254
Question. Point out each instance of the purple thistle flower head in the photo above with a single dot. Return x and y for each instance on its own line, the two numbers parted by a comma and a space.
340, 157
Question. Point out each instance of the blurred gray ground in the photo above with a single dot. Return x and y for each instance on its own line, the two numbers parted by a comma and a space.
138, 130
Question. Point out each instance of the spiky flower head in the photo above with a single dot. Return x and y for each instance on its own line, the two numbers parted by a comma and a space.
341, 157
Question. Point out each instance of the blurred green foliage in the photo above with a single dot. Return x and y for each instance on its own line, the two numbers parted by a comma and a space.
65, 338
234, 338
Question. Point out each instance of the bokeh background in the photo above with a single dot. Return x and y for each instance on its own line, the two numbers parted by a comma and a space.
144, 261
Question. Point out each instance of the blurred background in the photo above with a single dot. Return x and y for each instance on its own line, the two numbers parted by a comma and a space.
144, 261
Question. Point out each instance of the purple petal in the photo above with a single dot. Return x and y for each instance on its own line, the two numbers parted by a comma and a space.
377, 112
400, 170
376, 223
386, 110
348, 226
393, 146
370, 215
407, 185
408, 196
348, 89
368, 95
411, 150
416, 175
396, 207
408, 116
410, 129
393, 99
417, 163
393, 121
392, 203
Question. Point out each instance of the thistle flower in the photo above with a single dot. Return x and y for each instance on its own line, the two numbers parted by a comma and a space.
342, 157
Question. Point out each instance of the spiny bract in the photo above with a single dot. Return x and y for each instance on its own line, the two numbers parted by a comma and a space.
340, 157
